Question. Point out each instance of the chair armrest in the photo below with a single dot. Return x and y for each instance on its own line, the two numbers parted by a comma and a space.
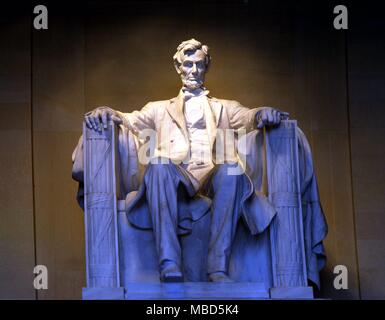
100, 207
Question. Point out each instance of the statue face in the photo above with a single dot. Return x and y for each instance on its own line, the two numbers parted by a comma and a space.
193, 69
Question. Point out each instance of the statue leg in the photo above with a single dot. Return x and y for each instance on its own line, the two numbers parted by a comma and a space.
161, 194
226, 191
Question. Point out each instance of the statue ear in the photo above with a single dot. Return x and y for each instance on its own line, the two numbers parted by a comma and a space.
176, 66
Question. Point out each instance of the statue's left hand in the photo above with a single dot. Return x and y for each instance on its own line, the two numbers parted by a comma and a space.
270, 117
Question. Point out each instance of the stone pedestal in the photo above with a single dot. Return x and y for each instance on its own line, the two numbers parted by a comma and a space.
291, 293
103, 293
196, 290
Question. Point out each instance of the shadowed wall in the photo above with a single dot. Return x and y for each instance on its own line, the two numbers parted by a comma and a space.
281, 54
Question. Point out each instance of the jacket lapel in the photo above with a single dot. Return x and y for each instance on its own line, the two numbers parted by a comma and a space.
212, 109
216, 107
175, 110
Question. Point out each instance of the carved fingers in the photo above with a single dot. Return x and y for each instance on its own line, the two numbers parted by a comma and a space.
270, 117
98, 118
104, 115
284, 115
92, 120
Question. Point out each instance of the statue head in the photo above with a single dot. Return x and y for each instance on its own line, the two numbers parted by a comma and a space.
191, 61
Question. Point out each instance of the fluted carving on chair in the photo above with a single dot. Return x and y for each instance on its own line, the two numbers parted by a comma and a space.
289, 267
100, 208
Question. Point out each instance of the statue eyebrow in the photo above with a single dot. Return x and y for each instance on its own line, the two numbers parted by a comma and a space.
196, 61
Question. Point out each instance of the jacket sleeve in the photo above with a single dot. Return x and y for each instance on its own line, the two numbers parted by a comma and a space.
241, 117
140, 120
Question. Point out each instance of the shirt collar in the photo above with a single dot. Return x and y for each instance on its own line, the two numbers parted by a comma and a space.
196, 93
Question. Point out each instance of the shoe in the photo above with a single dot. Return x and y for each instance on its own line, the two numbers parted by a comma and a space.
170, 272
219, 277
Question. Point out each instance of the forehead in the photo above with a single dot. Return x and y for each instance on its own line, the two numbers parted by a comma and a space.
191, 55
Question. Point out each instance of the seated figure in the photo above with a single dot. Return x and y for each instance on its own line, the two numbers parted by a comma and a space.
196, 168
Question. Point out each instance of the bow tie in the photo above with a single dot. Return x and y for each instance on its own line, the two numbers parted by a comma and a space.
197, 93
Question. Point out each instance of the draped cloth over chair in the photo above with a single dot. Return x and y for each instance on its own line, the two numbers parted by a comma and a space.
120, 245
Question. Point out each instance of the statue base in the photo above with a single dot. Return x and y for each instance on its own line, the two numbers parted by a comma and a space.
103, 293
196, 290
291, 293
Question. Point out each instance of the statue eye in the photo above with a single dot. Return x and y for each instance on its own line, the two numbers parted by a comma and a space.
188, 64
200, 65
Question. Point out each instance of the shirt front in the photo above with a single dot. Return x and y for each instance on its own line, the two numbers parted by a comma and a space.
200, 162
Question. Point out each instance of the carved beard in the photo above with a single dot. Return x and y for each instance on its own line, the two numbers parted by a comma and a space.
192, 84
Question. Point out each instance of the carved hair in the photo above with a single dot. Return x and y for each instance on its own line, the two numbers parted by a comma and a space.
190, 45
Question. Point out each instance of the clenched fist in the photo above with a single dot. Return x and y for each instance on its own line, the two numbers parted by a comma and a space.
270, 117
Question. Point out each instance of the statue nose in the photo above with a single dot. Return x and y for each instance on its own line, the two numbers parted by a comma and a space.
194, 68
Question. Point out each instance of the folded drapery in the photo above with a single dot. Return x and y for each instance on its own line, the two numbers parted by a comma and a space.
257, 211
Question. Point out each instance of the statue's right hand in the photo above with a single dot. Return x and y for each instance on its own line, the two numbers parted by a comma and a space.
99, 117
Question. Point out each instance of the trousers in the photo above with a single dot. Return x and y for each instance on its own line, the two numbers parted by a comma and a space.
226, 191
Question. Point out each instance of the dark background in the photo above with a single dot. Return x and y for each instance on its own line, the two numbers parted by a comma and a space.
284, 54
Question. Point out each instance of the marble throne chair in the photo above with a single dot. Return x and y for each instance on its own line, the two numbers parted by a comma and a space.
282, 261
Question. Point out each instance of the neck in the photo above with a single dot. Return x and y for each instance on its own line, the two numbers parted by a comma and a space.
190, 93
195, 91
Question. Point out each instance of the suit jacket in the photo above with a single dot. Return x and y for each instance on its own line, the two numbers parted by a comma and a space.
167, 119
